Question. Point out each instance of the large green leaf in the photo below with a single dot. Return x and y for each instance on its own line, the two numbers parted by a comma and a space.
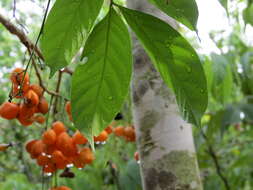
175, 59
66, 28
100, 86
184, 11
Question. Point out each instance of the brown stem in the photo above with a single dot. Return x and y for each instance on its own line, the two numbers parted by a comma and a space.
67, 70
21, 35
41, 81
57, 90
214, 157
25, 40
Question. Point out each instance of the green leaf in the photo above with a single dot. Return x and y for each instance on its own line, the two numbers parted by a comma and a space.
224, 3
175, 59
209, 73
184, 11
248, 15
66, 28
222, 79
131, 178
247, 73
100, 86
231, 116
247, 109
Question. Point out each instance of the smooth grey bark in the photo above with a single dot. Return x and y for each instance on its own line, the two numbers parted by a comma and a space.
165, 142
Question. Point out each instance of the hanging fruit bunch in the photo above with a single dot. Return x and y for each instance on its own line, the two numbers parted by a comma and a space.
57, 149
31, 105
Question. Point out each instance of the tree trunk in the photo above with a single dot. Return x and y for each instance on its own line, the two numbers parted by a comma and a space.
165, 142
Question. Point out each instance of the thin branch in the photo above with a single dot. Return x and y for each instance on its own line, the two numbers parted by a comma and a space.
57, 90
14, 8
25, 40
21, 35
216, 161
41, 82
67, 70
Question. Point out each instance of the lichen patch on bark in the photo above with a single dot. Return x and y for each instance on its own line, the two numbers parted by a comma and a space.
146, 142
174, 171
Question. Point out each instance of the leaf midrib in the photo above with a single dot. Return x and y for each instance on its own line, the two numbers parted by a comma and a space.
104, 61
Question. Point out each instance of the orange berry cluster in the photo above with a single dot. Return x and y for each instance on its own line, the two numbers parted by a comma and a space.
56, 149
128, 133
32, 100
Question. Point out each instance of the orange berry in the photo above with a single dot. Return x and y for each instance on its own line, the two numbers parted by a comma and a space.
68, 107
119, 131
38, 148
129, 134
37, 89
57, 156
39, 119
63, 188
43, 106
25, 121
78, 163
68, 110
29, 145
17, 92
101, 137
49, 137
65, 144
9, 110
136, 156
70, 117
49, 168
70, 149
17, 76
43, 160
59, 159
61, 165
58, 127
86, 156
32, 99
50, 149
78, 138
26, 111
62, 140
109, 129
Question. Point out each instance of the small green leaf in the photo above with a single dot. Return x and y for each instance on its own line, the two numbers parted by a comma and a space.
130, 179
247, 73
184, 11
248, 15
175, 59
224, 3
66, 28
222, 79
209, 73
100, 86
